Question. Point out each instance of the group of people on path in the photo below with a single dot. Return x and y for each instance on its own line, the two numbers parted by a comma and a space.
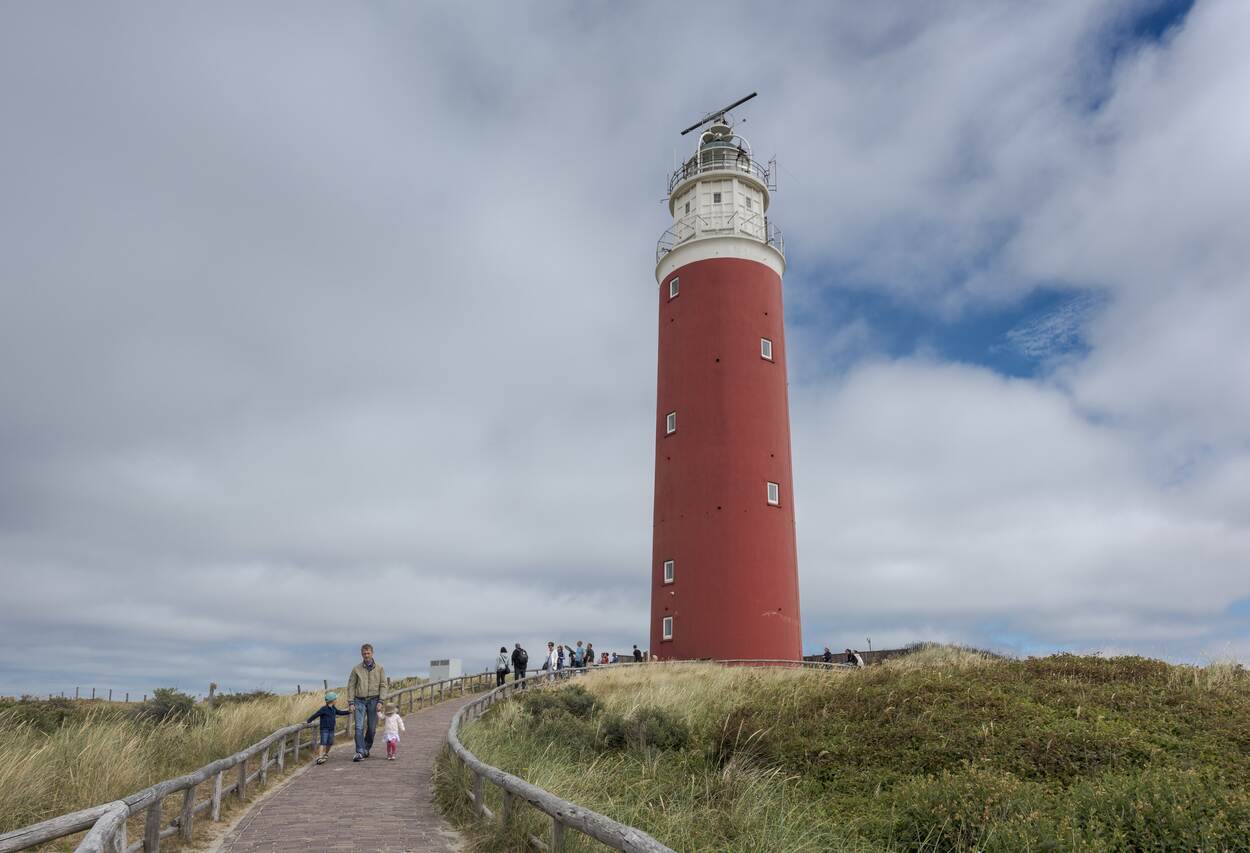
851, 657
366, 690
559, 656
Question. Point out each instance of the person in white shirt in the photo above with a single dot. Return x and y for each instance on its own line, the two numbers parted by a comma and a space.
392, 725
501, 666
553, 658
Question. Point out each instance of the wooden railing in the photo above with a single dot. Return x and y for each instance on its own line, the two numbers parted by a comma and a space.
107, 823
564, 814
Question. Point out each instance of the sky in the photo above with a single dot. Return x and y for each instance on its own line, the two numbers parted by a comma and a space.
331, 323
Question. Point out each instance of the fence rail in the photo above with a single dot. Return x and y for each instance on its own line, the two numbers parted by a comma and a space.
106, 824
564, 814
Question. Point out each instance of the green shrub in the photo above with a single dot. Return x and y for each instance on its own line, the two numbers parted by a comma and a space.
223, 700
576, 701
647, 727
539, 703
572, 700
168, 703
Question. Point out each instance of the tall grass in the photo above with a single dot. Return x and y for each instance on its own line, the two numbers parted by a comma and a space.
101, 755
945, 749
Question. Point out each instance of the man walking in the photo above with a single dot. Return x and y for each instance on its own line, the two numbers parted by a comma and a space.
637, 654
366, 688
520, 662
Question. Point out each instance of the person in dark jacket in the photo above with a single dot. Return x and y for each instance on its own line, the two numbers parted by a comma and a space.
520, 663
329, 715
827, 657
637, 654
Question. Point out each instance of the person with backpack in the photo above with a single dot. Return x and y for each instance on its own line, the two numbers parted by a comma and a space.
520, 662
637, 654
501, 666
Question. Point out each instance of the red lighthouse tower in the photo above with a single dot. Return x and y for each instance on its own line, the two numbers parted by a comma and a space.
724, 574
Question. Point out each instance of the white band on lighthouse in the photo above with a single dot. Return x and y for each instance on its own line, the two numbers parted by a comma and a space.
742, 248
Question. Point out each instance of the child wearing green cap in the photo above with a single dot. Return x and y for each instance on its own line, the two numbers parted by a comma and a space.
329, 719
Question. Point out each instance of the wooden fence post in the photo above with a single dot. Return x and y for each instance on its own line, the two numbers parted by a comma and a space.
188, 814
505, 816
152, 827
557, 836
216, 807
299, 735
478, 793
264, 768
243, 779
282, 753
110, 694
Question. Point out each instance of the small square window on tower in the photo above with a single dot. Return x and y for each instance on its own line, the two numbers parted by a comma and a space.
668, 571
674, 287
666, 628
774, 494
766, 349
715, 198
750, 204
670, 423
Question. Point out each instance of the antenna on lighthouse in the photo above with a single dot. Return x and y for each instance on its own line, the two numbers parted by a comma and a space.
715, 114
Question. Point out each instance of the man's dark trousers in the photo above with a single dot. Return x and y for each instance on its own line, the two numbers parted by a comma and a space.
520, 674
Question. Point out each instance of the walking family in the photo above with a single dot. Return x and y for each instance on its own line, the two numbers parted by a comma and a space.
366, 692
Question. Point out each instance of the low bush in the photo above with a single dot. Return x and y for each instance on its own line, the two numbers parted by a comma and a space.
572, 700
224, 700
645, 728
168, 704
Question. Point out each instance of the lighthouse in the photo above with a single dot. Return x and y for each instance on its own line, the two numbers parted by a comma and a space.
724, 573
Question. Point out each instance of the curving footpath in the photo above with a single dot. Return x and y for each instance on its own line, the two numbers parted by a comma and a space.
376, 805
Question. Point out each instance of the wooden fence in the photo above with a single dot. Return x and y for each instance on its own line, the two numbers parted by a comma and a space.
564, 814
106, 824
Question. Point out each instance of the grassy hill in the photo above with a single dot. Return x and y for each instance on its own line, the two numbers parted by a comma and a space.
942, 750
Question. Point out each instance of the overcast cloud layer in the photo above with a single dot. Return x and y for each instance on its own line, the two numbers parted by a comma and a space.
331, 323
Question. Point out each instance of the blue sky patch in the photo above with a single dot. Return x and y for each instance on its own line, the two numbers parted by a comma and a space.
1022, 339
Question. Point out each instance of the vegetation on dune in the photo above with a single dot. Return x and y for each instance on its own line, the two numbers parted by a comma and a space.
58, 756
945, 749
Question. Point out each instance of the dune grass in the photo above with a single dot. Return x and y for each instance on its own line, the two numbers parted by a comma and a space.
945, 749
96, 755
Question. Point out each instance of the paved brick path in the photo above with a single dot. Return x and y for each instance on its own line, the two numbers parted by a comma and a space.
372, 805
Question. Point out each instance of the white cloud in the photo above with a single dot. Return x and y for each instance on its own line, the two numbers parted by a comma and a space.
323, 322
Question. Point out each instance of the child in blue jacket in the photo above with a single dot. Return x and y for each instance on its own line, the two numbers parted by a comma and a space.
329, 719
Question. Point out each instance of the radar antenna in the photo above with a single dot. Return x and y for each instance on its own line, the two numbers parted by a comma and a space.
712, 116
